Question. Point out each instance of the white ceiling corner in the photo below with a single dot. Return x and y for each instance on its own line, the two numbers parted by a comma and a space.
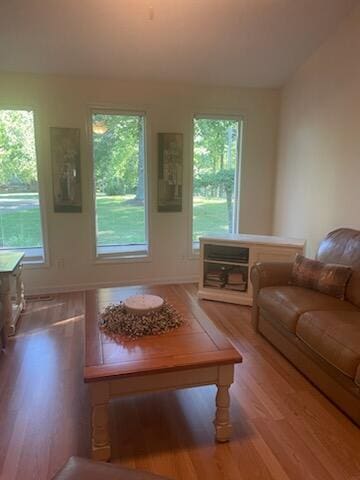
256, 43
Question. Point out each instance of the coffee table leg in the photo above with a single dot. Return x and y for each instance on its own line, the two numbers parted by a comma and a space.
223, 428
101, 449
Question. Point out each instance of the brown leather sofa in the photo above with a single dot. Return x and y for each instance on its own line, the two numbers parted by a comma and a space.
318, 333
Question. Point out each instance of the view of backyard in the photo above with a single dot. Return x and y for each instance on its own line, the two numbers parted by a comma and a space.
118, 149
20, 219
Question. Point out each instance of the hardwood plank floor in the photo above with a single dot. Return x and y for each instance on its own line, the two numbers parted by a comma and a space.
284, 429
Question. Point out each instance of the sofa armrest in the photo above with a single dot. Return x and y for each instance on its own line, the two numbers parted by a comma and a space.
267, 274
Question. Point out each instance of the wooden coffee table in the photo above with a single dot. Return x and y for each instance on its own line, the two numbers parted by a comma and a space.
195, 354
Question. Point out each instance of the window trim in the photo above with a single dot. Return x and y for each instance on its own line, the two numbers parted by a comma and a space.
143, 253
194, 247
35, 261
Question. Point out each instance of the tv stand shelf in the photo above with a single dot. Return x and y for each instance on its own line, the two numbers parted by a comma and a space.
226, 262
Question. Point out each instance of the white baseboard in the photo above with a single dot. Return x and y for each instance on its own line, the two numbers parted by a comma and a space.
90, 286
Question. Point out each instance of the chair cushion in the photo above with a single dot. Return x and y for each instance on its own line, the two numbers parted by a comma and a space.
287, 303
335, 336
83, 469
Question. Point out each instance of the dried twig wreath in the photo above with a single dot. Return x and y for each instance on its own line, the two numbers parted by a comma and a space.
116, 320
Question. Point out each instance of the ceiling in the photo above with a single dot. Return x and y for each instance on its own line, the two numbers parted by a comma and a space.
212, 42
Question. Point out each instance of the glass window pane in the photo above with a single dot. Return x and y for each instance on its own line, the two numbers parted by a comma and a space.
215, 165
20, 219
118, 150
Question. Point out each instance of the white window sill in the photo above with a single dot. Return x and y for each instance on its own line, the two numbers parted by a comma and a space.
194, 251
122, 253
195, 246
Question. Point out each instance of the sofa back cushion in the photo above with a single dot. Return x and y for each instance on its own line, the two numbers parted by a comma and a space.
342, 246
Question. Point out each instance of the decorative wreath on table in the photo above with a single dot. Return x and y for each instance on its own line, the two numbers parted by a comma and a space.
119, 321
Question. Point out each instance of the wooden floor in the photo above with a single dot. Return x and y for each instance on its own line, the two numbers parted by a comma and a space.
283, 427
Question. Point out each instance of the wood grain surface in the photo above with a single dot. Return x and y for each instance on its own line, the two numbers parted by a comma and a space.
197, 343
284, 428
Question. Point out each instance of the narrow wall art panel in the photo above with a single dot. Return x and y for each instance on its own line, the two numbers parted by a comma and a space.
65, 159
170, 172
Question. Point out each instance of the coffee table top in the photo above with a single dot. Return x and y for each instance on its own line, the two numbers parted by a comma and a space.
197, 343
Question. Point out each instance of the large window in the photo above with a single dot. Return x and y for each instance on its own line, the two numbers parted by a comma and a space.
20, 218
216, 160
120, 187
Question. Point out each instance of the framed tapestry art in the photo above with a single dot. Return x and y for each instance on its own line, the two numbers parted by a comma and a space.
65, 159
170, 166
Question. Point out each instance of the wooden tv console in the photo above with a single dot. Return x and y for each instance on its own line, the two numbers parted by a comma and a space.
237, 253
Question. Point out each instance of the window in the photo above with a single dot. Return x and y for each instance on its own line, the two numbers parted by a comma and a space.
20, 216
120, 187
215, 176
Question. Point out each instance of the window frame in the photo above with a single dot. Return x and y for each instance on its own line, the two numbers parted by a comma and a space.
195, 246
120, 253
34, 261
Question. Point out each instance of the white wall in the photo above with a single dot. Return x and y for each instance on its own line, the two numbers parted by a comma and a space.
318, 170
64, 102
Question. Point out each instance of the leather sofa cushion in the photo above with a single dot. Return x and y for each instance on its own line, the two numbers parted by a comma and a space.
335, 336
82, 469
353, 289
357, 376
342, 246
287, 303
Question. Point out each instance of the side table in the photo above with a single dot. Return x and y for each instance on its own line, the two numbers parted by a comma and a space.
10, 271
